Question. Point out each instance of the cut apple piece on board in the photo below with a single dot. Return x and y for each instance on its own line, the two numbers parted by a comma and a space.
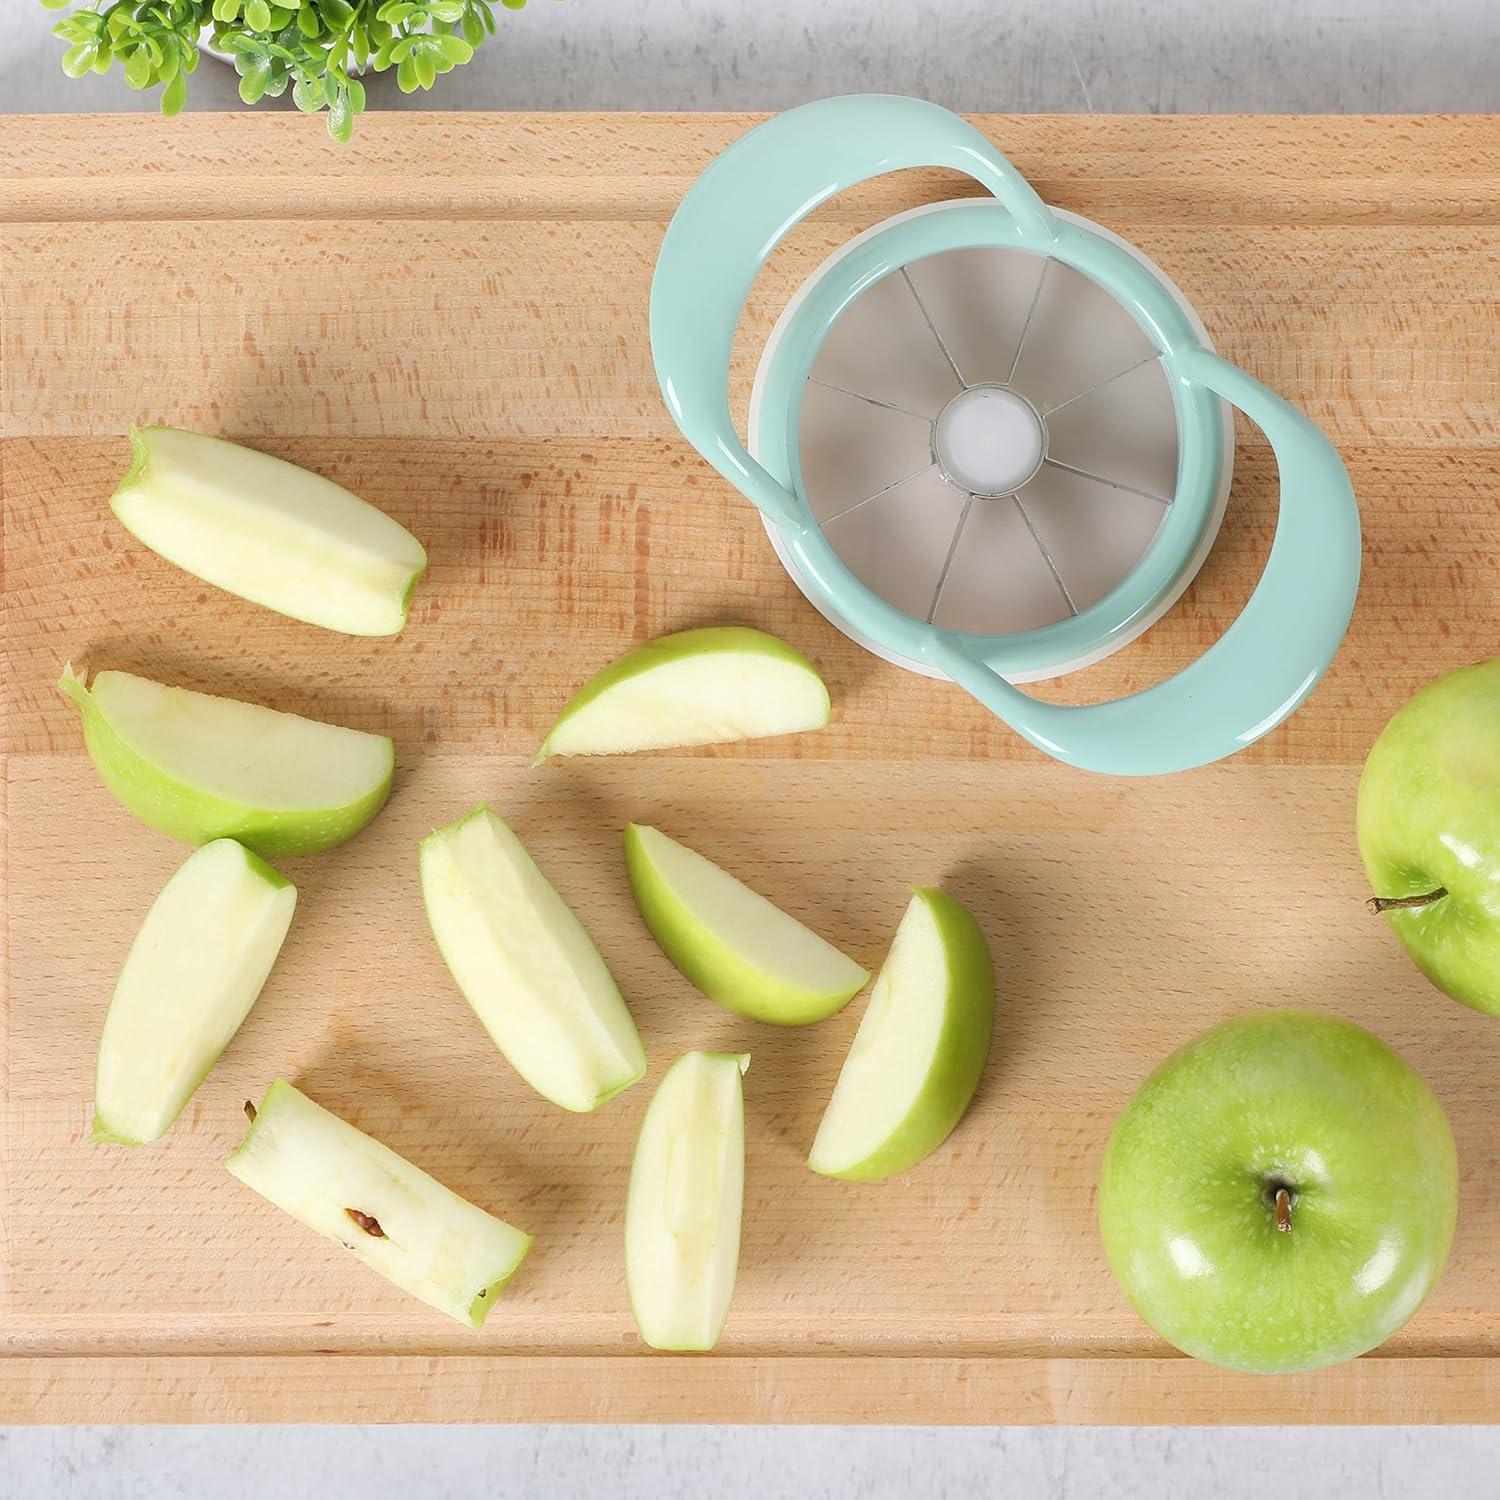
682, 1213
733, 944
399, 1221
698, 687
526, 965
271, 532
193, 972
197, 767
920, 1048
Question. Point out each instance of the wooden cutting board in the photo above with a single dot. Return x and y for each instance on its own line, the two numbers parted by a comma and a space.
449, 317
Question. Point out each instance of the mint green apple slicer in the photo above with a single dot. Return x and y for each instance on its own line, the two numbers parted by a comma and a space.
991, 441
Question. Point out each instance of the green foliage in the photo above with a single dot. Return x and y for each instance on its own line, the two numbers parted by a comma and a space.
317, 48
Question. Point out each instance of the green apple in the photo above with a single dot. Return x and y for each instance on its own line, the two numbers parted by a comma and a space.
193, 972
1429, 831
682, 1211
526, 965
698, 687
268, 531
1281, 1193
394, 1217
197, 768
733, 944
920, 1048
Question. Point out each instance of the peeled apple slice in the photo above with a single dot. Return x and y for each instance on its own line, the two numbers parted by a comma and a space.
268, 531
193, 972
399, 1221
526, 965
196, 767
920, 1048
732, 943
698, 687
682, 1215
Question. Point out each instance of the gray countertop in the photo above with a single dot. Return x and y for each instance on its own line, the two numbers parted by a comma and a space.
1004, 55
706, 1463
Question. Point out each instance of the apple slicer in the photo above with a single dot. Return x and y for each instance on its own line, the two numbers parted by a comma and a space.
991, 441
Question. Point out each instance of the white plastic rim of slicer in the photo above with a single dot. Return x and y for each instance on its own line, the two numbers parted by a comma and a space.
914, 664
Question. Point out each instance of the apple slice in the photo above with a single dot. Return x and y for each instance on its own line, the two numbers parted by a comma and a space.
193, 972
197, 767
698, 687
733, 944
341, 1182
268, 531
682, 1212
919, 1050
526, 965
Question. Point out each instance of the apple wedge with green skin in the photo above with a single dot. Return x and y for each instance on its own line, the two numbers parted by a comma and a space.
1281, 1193
1429, 831
197, 767
268, 531
920, 1048
349, 1187
733, 944
525, 964
194, 970
682, 1212
698, 687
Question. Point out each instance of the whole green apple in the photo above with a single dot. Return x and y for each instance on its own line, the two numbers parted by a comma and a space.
1281, 1193
1429, 831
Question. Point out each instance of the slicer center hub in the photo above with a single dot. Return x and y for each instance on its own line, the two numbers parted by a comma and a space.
989, 440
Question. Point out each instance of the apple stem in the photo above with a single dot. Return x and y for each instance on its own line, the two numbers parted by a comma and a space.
250, 1111
1283, 1211
1378, 904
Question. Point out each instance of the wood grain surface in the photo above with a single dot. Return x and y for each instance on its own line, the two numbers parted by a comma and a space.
449, 317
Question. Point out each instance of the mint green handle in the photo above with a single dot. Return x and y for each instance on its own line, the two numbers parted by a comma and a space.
1264, 665
746, 202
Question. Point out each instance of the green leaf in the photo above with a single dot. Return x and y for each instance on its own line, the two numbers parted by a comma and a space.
281, 17
426, 69
446, 10
340, 118
383, 58
337, 13
473, 29
102, 62
226, 10
514, 4
54, 4
79, 58
454, 48
406, 76
258, 15
307, 94
256, 80
487, 16
361, 46
403, 48
138, 68
309, 23
356, 96
394, 12
174, 96
169, 65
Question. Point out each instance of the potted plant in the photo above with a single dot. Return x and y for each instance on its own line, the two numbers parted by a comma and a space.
317, 48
